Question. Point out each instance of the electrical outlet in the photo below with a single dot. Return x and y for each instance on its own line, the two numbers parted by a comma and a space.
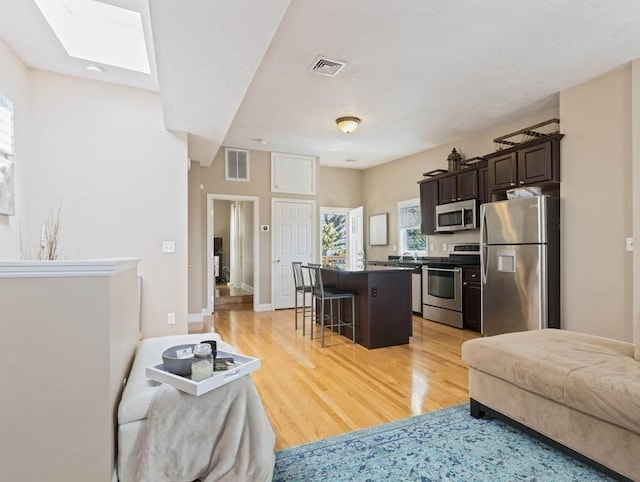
171, 318
444, 247
431, 248
168, 247
629, 244
374, 292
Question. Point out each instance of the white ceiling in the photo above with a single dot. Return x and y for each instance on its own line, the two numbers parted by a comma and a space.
419, 73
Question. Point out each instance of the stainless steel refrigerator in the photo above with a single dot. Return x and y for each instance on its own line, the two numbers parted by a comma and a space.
520, 264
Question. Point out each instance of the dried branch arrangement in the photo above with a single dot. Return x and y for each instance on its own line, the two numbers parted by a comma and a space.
49, 235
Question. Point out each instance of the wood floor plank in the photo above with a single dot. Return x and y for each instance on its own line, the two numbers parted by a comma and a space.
311, 392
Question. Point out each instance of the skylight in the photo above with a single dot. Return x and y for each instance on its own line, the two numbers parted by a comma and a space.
98, 32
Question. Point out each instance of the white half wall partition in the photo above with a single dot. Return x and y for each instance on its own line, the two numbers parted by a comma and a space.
69, 331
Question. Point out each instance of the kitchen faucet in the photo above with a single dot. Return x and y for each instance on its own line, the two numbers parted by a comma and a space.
413, 256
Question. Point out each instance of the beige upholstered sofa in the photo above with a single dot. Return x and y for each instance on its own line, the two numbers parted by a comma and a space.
578, 390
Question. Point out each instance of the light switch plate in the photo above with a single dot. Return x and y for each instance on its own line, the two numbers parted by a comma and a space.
629, 244
168, 246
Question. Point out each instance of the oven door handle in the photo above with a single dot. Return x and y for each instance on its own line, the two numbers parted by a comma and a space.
452, 270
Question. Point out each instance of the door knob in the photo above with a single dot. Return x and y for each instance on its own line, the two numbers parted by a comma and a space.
277, 260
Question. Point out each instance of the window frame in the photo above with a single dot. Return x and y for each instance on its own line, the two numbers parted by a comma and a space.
414, 202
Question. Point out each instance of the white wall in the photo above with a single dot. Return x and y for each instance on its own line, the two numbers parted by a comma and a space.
635, 200
14, 84
122, 178
102, 151
596, 209
68, 338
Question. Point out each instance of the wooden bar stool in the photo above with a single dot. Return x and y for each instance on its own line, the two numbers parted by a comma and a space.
322, 293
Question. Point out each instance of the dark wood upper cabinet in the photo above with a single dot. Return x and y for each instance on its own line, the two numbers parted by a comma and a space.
484, 193
536, 163
458, 187
447, 189
428, 203
467, 185
503, 171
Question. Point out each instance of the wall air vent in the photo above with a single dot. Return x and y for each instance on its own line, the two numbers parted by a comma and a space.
325, 66
236, 164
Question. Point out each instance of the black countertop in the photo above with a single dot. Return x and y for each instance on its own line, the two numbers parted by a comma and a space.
461, 260
369, 269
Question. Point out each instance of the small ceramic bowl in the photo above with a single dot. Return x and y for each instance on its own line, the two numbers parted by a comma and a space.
177, 359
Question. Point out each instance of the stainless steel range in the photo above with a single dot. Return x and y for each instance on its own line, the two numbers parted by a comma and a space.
442, 284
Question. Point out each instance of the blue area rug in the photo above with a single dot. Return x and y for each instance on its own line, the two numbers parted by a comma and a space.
446, 445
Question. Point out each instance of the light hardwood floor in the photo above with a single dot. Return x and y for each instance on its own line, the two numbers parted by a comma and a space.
311, 392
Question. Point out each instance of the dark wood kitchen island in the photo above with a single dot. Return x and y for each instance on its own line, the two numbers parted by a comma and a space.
383, 303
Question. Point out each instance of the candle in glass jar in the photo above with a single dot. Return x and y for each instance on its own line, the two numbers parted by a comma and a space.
201, 370
202, 364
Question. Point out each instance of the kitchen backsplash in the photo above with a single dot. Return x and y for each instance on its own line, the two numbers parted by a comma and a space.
439, 243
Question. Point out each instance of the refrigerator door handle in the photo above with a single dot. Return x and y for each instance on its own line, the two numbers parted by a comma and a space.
483, 264
483, 225
483, 244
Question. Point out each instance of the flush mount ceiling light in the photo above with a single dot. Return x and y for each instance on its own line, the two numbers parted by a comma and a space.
347, 124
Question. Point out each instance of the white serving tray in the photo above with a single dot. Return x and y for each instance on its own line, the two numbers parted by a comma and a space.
244, 364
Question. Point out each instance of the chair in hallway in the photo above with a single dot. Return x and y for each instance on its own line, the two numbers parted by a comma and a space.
302, 288
322, 293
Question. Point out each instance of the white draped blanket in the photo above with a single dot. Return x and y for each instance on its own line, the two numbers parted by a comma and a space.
222, 435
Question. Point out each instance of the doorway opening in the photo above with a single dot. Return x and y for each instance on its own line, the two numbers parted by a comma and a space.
341, 237
334, 242
232, 253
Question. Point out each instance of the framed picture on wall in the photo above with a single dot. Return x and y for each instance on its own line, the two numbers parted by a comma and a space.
378, 229
7, 195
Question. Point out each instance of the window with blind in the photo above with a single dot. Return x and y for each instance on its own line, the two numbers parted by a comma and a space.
409, 237
6, 126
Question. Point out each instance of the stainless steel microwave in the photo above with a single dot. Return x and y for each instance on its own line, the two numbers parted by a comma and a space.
457, 216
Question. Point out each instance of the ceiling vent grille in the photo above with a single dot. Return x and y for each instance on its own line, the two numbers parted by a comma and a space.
330, 67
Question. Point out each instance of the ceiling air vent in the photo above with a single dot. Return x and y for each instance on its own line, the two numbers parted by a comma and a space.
323, 65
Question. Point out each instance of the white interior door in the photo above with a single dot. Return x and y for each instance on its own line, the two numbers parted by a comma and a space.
355, 253
293, 235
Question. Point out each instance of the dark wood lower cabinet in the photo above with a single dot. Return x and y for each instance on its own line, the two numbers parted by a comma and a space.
471, 299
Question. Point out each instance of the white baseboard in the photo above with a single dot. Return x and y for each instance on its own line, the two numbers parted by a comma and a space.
197, 317
264, 307
247, 288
